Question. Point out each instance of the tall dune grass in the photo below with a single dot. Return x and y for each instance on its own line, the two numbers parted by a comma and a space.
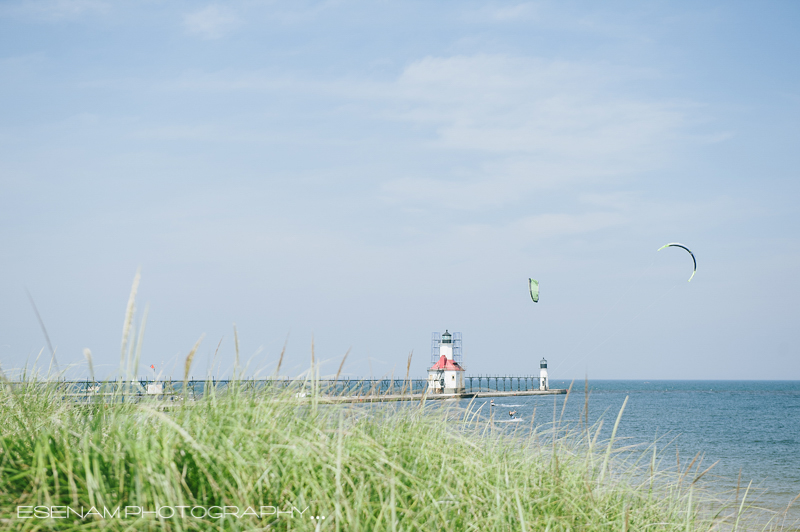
238, 459
404, 466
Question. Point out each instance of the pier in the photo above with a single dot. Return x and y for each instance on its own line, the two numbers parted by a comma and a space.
433, 396
342, 390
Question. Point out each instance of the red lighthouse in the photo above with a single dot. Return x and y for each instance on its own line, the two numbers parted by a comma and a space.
447, 374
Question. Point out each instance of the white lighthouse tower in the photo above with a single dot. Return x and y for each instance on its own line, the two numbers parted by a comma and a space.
446, 375
544, 381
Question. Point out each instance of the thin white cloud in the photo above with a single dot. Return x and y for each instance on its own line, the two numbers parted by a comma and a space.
503, 12
211, 22
522, 11
559, 225
171, 133
534, 123
496, 103
527, 124
59, 9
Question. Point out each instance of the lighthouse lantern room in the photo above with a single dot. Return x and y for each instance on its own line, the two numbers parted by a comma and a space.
446, 374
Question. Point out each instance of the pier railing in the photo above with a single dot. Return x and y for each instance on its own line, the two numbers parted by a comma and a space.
127, 390
501, 383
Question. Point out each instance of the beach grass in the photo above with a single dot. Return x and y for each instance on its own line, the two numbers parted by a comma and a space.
241, 459
266, 461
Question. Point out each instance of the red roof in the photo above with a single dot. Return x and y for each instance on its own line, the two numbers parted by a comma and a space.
446, 364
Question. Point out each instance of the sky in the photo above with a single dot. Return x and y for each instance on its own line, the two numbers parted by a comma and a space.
358, 175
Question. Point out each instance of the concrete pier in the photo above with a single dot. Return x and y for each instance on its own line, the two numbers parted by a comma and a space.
384, 398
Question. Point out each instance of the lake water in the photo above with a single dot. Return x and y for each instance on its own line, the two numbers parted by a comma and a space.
752, 426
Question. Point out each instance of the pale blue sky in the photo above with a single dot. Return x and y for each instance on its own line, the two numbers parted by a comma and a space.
370, 172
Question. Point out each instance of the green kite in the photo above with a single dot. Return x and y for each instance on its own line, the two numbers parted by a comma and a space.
676, 245
533, 285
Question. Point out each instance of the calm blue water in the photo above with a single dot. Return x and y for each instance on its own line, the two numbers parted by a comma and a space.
752, 426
